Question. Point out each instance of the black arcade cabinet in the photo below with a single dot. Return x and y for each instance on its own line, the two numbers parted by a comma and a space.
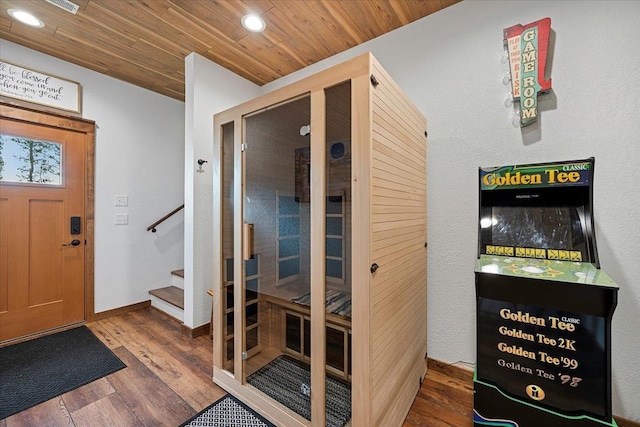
544, 307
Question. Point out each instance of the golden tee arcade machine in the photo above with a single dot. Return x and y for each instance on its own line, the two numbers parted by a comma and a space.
544, 307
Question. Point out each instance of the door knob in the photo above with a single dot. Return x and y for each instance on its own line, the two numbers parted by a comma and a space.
74, 242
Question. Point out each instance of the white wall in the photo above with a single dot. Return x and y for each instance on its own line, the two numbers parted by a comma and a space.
449, 65
139, 153
210, 89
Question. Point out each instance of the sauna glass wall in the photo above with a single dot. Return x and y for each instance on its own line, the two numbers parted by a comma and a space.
338, 254
277, 208
226, 291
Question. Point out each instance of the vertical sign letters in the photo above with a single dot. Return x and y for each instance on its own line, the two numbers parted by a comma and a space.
527, 46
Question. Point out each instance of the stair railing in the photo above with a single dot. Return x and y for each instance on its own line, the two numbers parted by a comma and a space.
152, 227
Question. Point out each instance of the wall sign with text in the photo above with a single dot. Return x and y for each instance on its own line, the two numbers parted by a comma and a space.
527, 47
34, 86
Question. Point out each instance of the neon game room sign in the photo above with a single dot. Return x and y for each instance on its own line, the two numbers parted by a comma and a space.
527, 47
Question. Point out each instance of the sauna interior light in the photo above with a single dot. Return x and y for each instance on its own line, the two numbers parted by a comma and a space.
25, 18
253, 23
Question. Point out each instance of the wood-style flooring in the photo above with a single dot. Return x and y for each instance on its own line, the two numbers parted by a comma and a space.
168, 380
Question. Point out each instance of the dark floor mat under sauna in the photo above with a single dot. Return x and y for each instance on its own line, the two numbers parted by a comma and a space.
286, 380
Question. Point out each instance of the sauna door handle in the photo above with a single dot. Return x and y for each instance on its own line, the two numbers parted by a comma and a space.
247, 247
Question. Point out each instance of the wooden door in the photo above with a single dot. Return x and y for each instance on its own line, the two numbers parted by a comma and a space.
42, 264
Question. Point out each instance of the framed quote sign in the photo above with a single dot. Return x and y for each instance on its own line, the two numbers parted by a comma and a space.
37, 87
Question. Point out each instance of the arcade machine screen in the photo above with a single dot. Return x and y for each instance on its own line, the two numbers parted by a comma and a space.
543, 227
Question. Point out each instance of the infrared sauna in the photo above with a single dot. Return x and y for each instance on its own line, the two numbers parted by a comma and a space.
320, 292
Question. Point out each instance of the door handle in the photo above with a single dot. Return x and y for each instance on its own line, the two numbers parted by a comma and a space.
74, 242
248, 241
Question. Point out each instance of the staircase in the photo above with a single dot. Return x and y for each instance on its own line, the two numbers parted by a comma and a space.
170, 300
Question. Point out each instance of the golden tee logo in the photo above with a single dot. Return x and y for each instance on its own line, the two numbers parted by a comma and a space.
536, 176
527, 46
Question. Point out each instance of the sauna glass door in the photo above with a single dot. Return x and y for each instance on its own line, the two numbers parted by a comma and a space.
276, 243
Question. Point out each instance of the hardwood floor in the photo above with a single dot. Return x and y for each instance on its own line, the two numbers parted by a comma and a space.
168, 380
445, 398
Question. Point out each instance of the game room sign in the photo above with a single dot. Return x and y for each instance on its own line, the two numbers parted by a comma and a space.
527, 46
546, 175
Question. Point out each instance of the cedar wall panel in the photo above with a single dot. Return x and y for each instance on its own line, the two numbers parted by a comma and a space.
399, 232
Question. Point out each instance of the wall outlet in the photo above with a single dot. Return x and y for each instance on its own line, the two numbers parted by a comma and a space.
122, 201
122, 219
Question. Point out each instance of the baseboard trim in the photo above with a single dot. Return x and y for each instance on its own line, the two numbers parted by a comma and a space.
184, 329
195, 332
623, 422
121, 310
466, 374
165, 314
451, 369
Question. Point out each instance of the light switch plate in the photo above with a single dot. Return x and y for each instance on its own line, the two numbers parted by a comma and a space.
122, 200
122, 219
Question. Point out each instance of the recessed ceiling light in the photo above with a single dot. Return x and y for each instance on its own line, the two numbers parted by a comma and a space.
253, 23
25, 18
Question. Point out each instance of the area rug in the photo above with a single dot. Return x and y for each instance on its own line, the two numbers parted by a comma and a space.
287, 381
35, 371
227, 412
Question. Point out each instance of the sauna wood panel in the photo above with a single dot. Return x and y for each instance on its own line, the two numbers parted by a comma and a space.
399, 179
318, 252
385, 127
386, 192
395, 308
387, 256
382, 202
398, 288
390, 125
404, 187
404, 295
380, 236
406, 147
386, 209
405, 268
392, 152
383, 226
401, 167
361, 312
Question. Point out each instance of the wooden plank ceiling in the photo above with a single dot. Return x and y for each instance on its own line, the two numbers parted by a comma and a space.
144, 42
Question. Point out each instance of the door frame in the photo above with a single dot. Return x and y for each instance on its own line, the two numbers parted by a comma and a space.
86, 127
